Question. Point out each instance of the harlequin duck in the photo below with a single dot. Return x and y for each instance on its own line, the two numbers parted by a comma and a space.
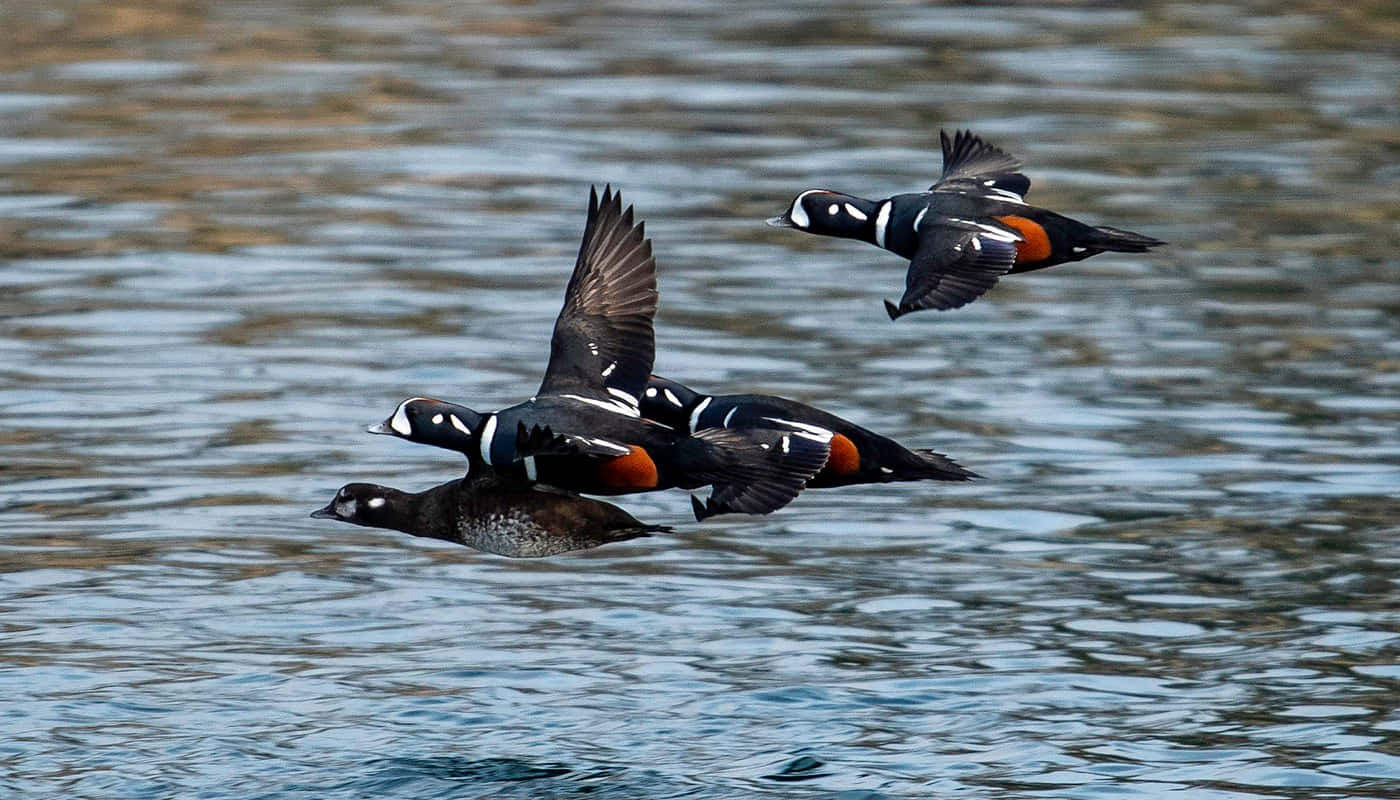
750, 466
858, 455
972, 227
491, 514
582, 431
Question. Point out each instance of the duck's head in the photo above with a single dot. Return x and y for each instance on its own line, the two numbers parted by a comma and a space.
433, 422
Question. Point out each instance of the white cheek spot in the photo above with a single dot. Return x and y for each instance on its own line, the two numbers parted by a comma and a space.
346, 509
651, 391
400, 422
856, 212
457, 423
832, 209
375, 502
671, 398
437, 419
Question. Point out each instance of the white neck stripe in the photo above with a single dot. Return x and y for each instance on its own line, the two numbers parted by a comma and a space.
882, 220
488, 432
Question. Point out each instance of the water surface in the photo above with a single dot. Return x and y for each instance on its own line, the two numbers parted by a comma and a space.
236, 234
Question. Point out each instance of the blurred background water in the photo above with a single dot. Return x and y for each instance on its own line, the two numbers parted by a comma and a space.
234, 234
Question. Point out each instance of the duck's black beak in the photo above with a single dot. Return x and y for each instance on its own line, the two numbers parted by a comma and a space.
783, 221
381, 427
324, 513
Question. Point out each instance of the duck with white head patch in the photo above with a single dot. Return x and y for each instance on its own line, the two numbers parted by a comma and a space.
582, 431
858, 455
962, 235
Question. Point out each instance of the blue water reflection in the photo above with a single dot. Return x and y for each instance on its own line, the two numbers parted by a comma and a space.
233, 237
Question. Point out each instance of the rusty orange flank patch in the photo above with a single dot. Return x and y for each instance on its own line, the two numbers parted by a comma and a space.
635, 470
844, 458
1036, 246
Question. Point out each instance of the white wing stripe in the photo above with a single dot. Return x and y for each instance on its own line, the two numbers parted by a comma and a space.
615, 406
815, 431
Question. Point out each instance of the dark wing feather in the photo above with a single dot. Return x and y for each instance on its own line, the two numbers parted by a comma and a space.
763, 471
603, 339
952, 267
970, 164
539, 440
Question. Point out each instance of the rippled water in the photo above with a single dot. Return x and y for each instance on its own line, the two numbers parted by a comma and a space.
235, 234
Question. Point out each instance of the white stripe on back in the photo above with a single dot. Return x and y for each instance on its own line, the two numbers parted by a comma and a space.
695, 415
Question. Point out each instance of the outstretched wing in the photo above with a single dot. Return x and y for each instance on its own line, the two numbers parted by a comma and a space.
954, 265
760, 470
603, 342
972, 165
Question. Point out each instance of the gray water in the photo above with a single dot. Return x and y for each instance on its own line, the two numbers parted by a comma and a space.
235, 234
